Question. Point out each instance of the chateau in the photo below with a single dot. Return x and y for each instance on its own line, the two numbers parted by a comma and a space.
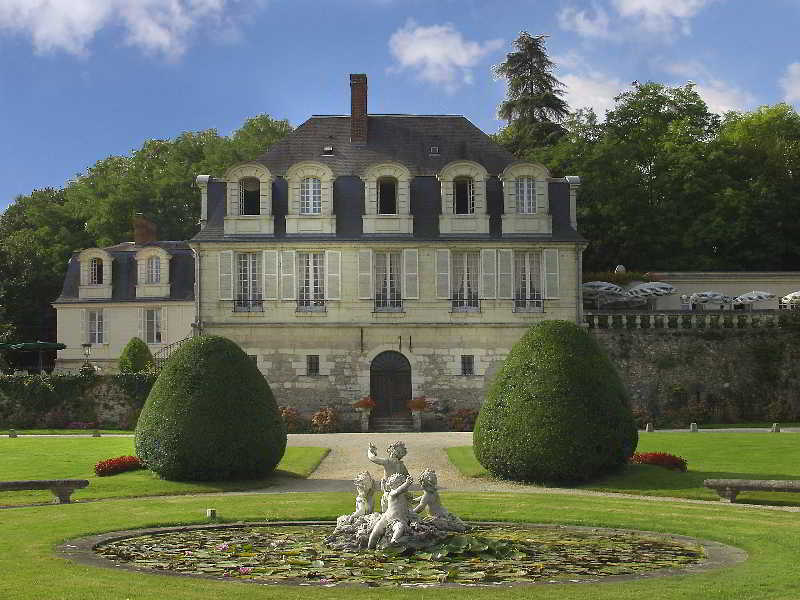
369, 254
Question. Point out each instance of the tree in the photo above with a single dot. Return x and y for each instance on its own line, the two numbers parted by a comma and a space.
210, 416
135, 356
534, 107
557, 410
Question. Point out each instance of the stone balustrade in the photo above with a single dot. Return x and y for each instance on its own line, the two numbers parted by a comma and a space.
684, 319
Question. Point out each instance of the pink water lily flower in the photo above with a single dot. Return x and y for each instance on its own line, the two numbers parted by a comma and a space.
223, 546
245, 570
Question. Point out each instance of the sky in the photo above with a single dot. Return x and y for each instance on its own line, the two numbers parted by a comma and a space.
84, 79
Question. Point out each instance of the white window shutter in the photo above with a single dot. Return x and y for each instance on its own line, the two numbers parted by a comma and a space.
164, 328
270, 290
551, 277
443, 273
365, 274
226, 275
141, 335
141, 268
505, 274
107, 272
411, 273
541, 195
84, 265
333, 274
288, 266
488, 273
84, 327
104, 314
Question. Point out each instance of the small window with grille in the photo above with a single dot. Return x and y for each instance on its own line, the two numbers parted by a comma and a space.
526, 195
311, 287
463, 196
249, 196
467, 364
311, 196
312, 364
433, 150
96, 271
153, 274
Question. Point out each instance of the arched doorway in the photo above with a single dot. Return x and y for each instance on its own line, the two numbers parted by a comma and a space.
390, 384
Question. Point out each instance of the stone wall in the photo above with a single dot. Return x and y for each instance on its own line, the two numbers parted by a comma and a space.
708, 376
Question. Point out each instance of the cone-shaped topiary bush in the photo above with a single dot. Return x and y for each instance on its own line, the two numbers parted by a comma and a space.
557, 410
135, 356
210, 416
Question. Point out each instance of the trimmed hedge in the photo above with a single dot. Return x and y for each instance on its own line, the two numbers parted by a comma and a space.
210, 416
557, 410
135, 357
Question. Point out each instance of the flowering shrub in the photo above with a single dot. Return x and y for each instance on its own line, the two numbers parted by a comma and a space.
112, 466
325, 420
462, 419
365, 402
419, 403
295, 423
660, 459
82, 425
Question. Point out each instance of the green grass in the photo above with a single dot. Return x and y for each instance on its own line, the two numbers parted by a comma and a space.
721, 455
74, 458
31, 570
68, 431
743, 425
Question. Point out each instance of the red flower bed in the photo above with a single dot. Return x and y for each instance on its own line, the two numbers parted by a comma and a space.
660, 459
112, 466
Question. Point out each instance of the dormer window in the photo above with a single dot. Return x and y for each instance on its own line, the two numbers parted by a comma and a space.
249, 196
464, 196
526, 195
434, 150
387, 196
327, 151
153, 270
96, 271
310, 196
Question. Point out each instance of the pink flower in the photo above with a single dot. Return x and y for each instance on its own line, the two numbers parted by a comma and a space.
245, 570
223, 546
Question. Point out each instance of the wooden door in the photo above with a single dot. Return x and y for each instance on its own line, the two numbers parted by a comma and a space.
390, 384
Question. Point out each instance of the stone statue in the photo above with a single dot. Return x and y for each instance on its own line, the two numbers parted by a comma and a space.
391, 465
439, 516
365, 498
397, 524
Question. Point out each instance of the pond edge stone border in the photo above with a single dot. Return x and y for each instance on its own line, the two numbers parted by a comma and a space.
82, 551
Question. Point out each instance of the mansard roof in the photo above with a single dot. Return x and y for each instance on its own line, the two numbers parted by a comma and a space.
124, 274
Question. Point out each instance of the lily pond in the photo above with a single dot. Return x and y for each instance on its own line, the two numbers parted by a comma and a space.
487, 554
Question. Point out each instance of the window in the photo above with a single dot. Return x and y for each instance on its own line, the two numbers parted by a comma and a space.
311, 291
433, 150
95, 327
526, 195
467, 364
96, 271
249, 196
387, 196
152, 325
312, 364
153, 272
527, 282
464, 281
387, 282
248, 283
327, 151
463, 196
310, 196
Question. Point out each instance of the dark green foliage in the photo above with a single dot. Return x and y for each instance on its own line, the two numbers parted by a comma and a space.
557, 411
210, 416
135, 357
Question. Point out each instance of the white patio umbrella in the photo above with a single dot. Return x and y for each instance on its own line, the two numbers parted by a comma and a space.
596, 288
708, 298
791, 298
752, 297
652, 288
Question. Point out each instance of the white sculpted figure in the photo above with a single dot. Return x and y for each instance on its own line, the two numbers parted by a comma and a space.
365, 498
439, 515
391, 465
397, 516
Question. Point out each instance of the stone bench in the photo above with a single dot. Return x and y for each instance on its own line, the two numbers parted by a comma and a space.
62, 488
728, 489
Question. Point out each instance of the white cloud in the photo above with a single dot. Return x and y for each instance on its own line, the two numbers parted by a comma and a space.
584, 24
719, 95
155, 26
790, 83
661, 16
438, 53
595, 90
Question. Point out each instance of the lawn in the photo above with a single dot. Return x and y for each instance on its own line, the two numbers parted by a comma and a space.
710, 456
31, 570
69, 432
74, 458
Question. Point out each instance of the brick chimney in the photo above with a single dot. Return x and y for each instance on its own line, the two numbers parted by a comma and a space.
358, 108
144, 230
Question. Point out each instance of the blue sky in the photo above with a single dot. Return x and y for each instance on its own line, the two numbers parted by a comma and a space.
84, 79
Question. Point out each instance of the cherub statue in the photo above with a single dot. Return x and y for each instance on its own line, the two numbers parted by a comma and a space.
391, 465
365, 498
396, 517
439, 515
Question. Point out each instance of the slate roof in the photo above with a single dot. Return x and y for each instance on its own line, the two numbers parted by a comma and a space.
398, 138
124, 274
